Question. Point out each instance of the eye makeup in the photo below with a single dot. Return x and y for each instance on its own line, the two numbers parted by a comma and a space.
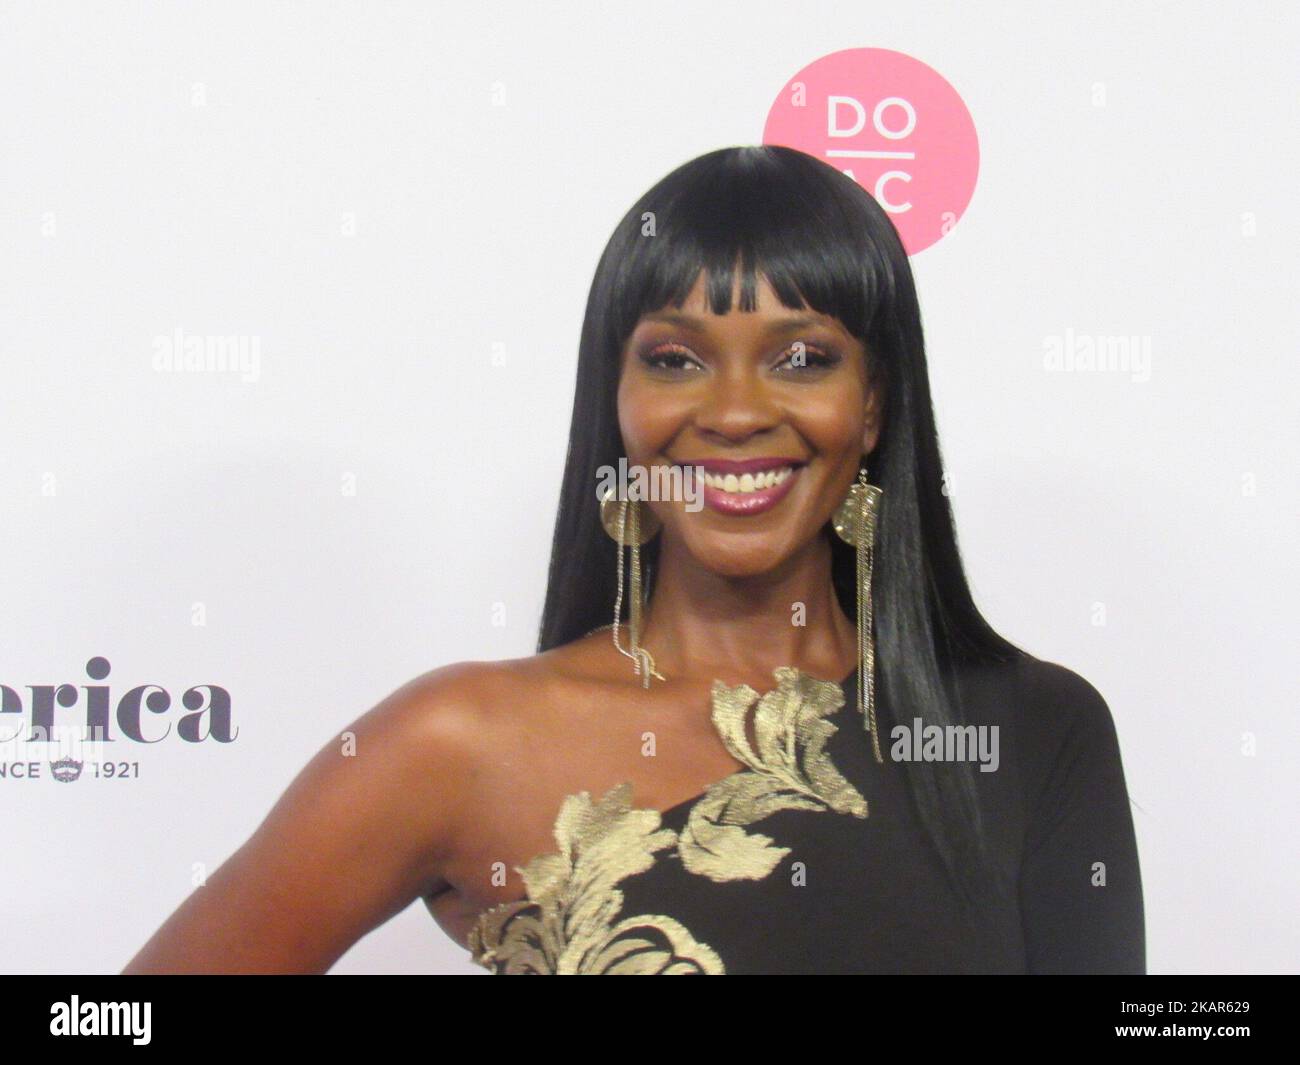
673, 358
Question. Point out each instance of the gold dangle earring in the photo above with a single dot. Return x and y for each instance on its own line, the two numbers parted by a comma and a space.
631, 524
855, 524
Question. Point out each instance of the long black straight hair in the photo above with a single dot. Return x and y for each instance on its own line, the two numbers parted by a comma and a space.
821, 241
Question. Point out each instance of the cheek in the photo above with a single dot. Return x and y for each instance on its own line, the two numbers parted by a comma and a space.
833, 422
647, 420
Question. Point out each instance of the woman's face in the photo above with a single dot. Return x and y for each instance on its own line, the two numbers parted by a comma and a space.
787, 389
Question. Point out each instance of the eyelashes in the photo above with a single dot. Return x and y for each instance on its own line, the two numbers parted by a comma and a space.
668, 357
675, 360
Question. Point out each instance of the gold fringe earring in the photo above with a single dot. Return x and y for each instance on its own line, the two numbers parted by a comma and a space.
631, 524
855, 524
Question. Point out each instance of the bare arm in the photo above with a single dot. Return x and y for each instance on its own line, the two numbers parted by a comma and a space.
352, 842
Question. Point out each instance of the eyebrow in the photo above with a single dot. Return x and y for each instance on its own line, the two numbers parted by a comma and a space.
691, 321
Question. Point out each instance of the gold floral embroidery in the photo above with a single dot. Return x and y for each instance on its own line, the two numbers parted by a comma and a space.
789, 770
565, 926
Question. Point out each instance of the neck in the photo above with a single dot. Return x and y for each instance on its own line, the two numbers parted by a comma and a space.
701, 625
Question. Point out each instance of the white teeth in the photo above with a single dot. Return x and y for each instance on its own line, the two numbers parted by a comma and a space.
747, 482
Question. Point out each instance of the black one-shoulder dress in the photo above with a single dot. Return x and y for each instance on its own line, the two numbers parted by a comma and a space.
812, 858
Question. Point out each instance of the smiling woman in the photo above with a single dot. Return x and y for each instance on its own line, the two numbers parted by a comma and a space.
752, 323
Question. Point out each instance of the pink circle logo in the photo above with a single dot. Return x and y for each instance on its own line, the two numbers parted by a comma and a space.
892, 124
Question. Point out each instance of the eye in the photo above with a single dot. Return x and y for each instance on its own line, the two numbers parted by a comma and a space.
804, 358
670, 358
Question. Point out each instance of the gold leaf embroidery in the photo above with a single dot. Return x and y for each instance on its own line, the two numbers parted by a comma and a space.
790, 770
565, 925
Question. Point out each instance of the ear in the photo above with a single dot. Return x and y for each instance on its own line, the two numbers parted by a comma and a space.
875, 415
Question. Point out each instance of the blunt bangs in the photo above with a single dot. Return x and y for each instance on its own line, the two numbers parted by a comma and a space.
808, 229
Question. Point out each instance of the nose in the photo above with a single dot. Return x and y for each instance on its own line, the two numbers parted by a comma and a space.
735, 407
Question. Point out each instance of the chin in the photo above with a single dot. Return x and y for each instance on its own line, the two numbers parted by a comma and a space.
739, 554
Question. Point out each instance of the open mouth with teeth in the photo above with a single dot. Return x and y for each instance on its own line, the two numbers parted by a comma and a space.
745, 487
747, 482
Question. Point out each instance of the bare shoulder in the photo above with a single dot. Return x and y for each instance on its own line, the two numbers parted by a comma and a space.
472, 723
441, 725
452, 721
454, 704
463, 692
370, 824
442, 708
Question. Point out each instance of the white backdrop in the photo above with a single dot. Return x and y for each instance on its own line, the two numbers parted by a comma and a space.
400, 208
